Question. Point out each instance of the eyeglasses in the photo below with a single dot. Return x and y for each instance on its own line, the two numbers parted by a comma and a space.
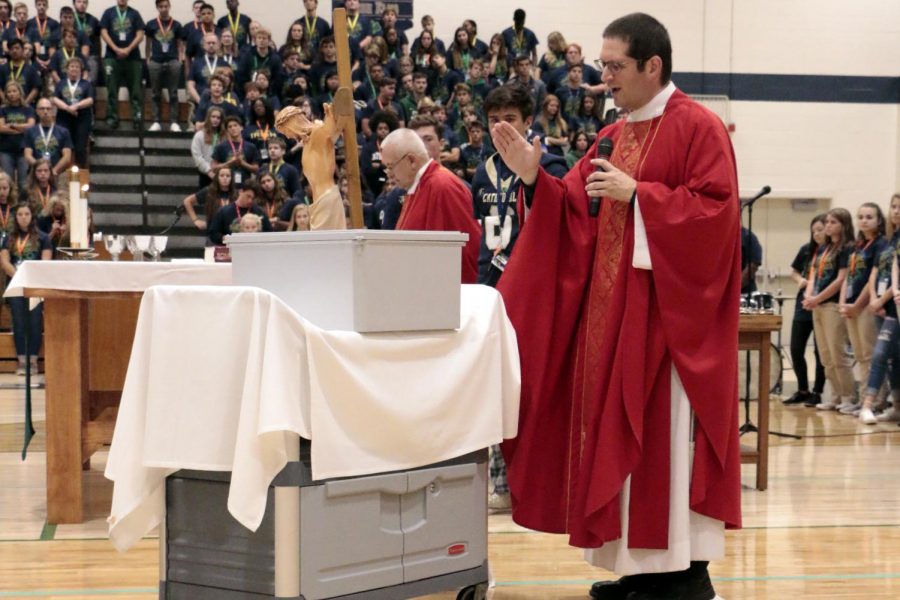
615, 66
391, 167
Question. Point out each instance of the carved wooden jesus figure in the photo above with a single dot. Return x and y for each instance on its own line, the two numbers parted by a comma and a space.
318, 138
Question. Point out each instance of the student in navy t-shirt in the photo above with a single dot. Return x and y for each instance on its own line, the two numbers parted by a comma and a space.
42, 32
74, 100
287, 175
237, 153
69, 48
22, 72
15, 118
165, 49
122, 28
48, 139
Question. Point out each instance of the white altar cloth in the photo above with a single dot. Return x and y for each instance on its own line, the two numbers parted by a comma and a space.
219, 378
109, 276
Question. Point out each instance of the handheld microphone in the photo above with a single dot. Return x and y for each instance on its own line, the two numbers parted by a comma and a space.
604, 151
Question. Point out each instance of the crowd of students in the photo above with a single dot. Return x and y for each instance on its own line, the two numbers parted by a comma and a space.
848, 299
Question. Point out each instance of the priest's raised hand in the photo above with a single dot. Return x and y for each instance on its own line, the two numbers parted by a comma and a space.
518, 154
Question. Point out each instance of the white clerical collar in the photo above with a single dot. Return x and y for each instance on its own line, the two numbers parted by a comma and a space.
415, 184
655, 107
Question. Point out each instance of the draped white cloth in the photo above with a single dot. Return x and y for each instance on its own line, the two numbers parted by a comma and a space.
221, 376
108, 276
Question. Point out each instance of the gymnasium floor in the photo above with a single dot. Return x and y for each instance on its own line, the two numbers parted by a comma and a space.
828, 527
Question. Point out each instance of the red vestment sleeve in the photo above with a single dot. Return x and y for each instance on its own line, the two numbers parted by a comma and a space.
443, 203
542, 288
693, 232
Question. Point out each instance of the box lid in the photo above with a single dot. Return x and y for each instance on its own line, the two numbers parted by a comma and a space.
348, 235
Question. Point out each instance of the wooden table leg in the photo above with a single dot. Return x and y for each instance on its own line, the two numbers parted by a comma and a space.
762, 440
65, 339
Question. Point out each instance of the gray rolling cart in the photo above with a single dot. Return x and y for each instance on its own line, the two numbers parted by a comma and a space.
380, 537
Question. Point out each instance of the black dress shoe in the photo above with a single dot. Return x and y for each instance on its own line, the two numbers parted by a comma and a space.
693, 584
799, 397
813, 400
619, 589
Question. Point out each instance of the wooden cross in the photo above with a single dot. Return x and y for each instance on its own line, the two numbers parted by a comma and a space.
346, 113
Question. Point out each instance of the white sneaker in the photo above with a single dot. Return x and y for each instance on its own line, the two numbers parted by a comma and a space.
175, 127
867, 416
845, 405
891, 415
847, 409
155, 127
830, 405
499, 502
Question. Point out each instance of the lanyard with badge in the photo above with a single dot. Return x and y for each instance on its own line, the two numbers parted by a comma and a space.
17, 75
235, 24
264, 136
236, 152
42, 34
20, 248
73, 91
498, 228
351, 24
46, 139
210, 68
122, 17
265, 63
819, 267
310, 28
163, 38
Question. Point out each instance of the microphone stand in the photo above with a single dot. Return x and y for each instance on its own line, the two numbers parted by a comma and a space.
179, 211
748, 425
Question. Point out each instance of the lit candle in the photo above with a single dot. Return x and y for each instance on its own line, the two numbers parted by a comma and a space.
75, 237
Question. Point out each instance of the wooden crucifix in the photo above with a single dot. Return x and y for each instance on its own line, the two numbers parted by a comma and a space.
346, 114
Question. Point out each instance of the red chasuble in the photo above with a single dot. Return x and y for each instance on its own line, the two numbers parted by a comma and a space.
442, 202
597, 337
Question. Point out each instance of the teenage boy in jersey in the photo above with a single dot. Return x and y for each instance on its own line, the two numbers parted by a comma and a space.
287, 174
89, 26
238, 23
43, 33
165, 52
227, 219
20, 70
48, 140
242, 156
495, 205
122, 28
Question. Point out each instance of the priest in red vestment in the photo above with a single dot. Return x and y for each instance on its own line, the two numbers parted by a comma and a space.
627, 327
436, 199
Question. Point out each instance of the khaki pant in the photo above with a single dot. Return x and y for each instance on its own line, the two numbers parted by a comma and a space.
862, 332
831, 334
